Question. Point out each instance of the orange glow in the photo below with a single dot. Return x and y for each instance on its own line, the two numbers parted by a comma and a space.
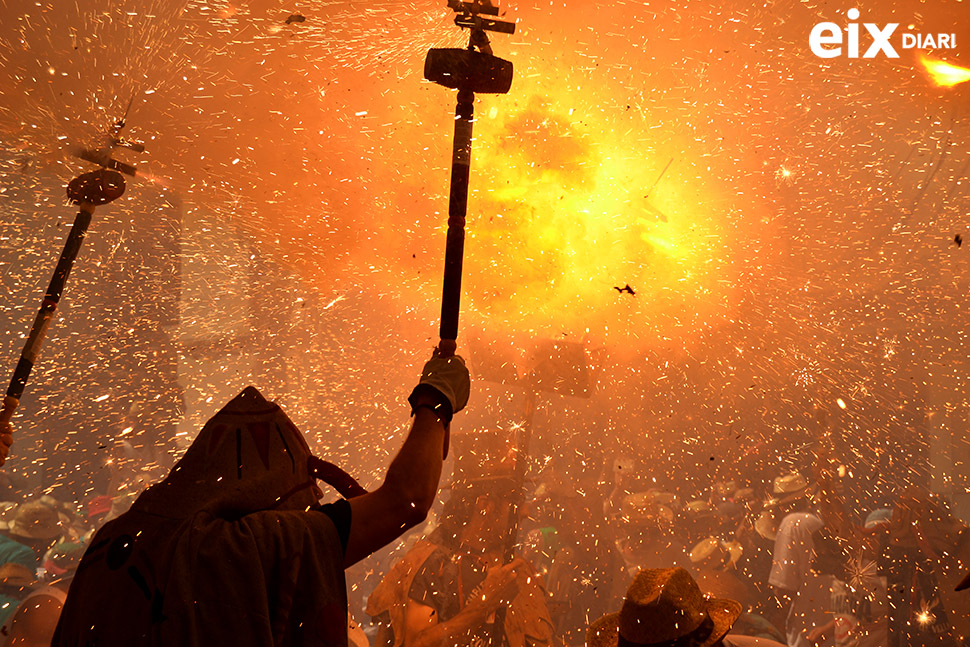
566, 218
943, 73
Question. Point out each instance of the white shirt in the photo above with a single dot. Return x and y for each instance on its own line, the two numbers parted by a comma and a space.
791, 570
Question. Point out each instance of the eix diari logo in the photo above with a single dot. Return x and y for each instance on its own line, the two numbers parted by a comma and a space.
826, 39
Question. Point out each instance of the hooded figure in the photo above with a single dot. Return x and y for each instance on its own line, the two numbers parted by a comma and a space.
230, 549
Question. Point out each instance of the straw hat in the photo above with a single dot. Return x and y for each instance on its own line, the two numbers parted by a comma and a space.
36, 520
699, 509
7, 510
664, 608
715, 555
787, 488
664, 498
744, 495
876, 517
766, 526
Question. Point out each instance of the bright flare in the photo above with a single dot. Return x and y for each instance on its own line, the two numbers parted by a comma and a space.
943, 73
567, 222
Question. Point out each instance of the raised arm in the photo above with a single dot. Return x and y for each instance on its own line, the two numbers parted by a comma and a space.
411, 482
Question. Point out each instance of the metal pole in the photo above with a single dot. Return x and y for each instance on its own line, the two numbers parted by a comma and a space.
43, 319
457, 209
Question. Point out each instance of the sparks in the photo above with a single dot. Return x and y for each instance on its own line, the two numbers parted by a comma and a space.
333, 303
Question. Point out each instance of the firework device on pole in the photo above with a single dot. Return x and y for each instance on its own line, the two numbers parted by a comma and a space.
87, 191
470, 70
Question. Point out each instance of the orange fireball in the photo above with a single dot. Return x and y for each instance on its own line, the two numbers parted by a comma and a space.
943, 73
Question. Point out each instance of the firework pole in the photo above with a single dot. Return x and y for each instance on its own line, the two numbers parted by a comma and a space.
469, 70
87, 191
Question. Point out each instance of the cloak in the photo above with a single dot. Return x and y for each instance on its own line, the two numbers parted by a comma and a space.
225, 551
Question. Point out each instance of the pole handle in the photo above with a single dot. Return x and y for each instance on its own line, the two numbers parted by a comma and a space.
457, 210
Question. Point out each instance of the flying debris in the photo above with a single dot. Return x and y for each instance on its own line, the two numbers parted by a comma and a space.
295, 18
659, 177
958, 239
625, 288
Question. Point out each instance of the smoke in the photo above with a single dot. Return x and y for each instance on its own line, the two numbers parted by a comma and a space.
786, 223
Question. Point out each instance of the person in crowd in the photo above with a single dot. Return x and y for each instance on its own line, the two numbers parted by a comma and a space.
559, 547
806, 590
714, 564
33, 622
645, 533
450, 588
27, 533
924, 550
858, 603
756, 533
233, 546
666, 608
790, 493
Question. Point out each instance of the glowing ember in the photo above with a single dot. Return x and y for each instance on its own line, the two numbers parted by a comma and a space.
943, 73
924, 617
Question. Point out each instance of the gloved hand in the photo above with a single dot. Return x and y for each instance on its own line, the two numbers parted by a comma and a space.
447, 380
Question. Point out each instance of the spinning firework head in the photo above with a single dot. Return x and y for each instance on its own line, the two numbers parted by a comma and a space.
469, 14
96, 188
462, 69
467, 69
